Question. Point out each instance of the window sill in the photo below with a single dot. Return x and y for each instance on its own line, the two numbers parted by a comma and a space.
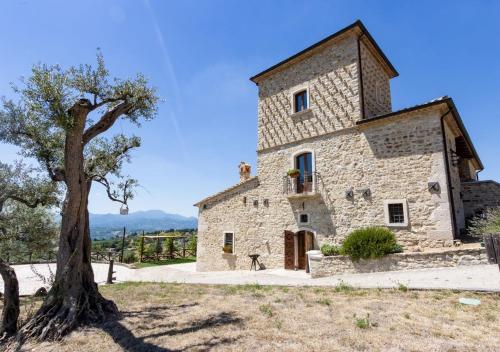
228, 254
400, 225
300, 113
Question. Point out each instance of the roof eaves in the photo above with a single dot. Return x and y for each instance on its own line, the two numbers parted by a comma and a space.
357, 24
437, 101
441, 100
232, 188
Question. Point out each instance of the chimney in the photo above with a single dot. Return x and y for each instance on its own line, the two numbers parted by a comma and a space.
244, 171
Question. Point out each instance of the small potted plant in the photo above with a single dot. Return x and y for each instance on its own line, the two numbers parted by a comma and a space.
293, 173
227, 248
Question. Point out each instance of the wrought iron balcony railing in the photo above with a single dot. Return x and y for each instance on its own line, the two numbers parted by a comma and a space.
305, 185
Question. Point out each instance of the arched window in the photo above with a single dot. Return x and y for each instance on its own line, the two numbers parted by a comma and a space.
304, 163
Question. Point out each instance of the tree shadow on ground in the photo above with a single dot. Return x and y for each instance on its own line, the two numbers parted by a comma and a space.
131, 343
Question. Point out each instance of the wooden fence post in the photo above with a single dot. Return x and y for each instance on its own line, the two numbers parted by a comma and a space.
492, 245
157, 248
110, 272
123, 245
142, 247
184, 247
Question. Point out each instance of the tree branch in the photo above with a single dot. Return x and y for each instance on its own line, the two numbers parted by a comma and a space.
106, 121
26, 202
103, 181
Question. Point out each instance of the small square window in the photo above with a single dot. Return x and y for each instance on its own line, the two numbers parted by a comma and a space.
396, 212
300, 101
304, 218
228, 246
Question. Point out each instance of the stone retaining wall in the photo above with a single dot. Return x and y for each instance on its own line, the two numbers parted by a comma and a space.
322, 266
480, 195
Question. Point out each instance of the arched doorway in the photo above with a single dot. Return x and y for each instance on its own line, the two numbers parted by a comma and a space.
296, 246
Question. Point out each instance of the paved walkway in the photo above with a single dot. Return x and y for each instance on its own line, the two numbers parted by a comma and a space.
476, 278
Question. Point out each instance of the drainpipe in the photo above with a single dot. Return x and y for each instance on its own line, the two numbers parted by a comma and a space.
448, 177
362, 94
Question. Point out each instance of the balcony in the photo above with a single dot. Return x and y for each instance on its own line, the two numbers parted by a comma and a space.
303, 186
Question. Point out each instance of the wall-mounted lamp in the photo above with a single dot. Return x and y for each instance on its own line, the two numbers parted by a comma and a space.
366, 193
349, 194
434, 187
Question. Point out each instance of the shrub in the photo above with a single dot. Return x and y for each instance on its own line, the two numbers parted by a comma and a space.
267, 310
369, 243
129, 257
363, 323
487, 222
192, 243
397, 248
329, 249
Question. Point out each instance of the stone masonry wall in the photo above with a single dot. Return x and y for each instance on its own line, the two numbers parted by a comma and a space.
394, 159
376, 86
332, 79
321, 266
480, 195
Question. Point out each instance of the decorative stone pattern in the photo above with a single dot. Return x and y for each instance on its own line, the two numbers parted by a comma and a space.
321, 266
480, 195
376, 87
331, 76
395, 158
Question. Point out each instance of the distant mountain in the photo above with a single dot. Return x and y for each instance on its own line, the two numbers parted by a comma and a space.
109, 225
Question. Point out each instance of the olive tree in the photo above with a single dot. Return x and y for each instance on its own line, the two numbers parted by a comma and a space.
59, 119
21, 192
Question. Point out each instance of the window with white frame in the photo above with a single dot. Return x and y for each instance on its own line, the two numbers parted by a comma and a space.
228, 244
396, 212
300, 101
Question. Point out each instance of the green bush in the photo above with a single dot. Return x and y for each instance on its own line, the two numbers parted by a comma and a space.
486, 222
129, 257
369, 243
192, 243
330, 249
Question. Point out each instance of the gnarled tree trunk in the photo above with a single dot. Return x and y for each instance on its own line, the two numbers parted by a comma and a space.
10, 312
74, 297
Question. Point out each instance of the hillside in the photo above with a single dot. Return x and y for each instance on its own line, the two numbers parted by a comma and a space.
108, 225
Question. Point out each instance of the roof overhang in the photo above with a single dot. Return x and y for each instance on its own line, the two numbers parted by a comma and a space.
465, 143
357, 27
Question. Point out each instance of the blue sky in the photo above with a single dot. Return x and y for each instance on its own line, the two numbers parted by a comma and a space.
200, 54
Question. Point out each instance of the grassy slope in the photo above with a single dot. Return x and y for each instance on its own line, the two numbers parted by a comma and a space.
165, 262
162, 317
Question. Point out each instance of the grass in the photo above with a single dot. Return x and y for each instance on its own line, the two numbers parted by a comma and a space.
165, 317
165, 262
363, 323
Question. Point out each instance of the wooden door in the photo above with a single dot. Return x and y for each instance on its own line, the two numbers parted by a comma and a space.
301, 250
289, 250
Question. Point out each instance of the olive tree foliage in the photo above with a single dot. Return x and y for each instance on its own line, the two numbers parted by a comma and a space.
26, 232
59, 120
23, 225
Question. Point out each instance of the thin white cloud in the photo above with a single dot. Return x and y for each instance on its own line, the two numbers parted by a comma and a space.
170, 74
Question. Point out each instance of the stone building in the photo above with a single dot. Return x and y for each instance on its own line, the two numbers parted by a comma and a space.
333, 157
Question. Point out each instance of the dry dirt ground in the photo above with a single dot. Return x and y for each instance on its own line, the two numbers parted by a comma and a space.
187, 317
